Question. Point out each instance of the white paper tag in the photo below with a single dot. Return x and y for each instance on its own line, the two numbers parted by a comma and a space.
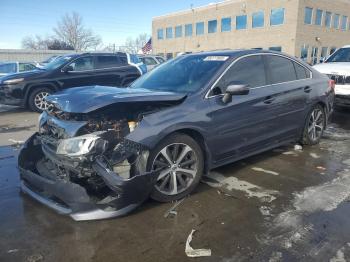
216, 58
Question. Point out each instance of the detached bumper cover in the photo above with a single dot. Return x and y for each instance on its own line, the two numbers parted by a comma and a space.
69, 198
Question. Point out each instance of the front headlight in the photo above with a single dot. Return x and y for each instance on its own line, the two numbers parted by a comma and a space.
13, 81
77, 146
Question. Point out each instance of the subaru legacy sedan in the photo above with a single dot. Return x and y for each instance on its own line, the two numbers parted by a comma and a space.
102, 151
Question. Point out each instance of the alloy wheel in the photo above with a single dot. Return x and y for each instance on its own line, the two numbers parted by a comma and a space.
177, 166
39, 100
316, 124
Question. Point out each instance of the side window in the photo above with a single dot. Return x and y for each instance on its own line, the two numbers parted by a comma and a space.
149, 61
25, 67
281, 69
302, 72
109, 61
249, 70
83, 64
160, 59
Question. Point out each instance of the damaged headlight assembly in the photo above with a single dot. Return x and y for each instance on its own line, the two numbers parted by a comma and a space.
78, 146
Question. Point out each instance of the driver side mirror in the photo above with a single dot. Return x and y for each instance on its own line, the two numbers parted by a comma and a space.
67, 69
235, 89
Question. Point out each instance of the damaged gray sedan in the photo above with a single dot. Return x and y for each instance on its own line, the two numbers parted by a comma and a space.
102, 151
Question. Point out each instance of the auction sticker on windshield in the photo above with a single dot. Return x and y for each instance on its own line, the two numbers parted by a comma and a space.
216, 58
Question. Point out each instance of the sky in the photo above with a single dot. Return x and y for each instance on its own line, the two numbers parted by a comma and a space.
113, 20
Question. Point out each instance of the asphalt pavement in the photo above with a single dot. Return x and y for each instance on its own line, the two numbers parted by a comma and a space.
282, 205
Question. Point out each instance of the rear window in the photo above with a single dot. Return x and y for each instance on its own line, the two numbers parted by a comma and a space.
110, 61
281, 69
302, 72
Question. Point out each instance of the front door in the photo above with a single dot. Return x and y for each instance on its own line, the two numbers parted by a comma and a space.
246, 124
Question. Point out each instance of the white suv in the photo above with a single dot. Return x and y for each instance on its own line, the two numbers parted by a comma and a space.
337, 67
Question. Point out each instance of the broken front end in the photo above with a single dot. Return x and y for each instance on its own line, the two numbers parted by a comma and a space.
84, 166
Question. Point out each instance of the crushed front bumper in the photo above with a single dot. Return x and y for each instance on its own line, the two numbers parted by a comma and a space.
70, 198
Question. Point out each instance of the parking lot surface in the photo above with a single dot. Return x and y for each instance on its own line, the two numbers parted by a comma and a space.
282, 205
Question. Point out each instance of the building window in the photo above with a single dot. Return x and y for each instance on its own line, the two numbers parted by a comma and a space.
212, 26
275, 48
169, 32
336, 19
304, 54
277, 16
178, 31
188, 30
241, 22
328, 19
258, 19
160, 34
226, 24
319, 14
308, 15
324, 53
344, 22
200, 28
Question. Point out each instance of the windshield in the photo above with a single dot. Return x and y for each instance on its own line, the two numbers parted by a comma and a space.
50, 59
57, 63
185, 74
341, 55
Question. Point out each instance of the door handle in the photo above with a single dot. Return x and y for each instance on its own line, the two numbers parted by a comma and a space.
269, 100
307, 89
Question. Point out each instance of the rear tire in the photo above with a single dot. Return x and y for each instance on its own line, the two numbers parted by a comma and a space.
314, 126
178, 161
36, 99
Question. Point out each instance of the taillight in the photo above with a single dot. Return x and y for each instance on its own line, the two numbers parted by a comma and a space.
331, 84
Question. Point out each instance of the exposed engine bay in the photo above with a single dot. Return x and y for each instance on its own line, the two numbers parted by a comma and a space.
82, 162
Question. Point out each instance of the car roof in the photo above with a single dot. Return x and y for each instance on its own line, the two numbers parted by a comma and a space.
346, 46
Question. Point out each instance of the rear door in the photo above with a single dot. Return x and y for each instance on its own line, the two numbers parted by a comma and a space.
248, 123
290, 90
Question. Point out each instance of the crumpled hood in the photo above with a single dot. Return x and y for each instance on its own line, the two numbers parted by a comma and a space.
90, 98
333, 68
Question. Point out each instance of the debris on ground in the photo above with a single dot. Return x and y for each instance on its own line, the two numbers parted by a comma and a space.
16, 142
290, 153
276, 257
34, 258
298, 148
190, 252
12, 251
172, 212
321, 168
314, 155
259, 169
265, 211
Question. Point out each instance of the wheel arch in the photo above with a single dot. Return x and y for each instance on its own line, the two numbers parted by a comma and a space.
199, 138
30, 88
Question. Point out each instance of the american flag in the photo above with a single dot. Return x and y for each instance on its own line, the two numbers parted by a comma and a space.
148, 47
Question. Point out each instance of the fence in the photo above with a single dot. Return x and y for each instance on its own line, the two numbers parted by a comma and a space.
29, 55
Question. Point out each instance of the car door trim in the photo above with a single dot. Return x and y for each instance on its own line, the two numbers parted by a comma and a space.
258, 87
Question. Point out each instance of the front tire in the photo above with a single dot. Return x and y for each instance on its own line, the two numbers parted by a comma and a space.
314, 126
178, 162
36, 99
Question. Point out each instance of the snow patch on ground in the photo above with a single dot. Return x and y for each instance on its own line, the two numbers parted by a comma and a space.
339, 256
233, 183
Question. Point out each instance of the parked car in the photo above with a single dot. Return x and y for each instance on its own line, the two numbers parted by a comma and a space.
134, 60
337, 67
151, 61
101, 151
7, 68
30, 89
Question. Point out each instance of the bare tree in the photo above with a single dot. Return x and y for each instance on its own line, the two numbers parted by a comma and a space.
34, 42
72, 31
133, 46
